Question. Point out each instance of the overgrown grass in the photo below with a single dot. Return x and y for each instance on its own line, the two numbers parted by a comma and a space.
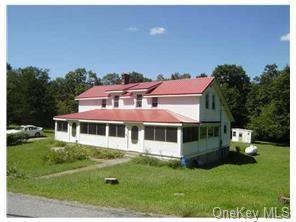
29, 158
152, 161
101, 153
253, 185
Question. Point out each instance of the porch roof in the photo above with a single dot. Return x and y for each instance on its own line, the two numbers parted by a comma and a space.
129, 115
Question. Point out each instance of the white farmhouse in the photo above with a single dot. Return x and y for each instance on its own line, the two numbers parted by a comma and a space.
186, 118
242, 135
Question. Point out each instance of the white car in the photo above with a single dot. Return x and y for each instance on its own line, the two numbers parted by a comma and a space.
29, 130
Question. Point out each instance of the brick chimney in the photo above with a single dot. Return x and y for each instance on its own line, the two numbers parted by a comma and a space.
125, 78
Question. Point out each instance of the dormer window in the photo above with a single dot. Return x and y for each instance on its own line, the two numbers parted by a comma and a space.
154, 102
207, 101
116, 101
139, 100
104, 102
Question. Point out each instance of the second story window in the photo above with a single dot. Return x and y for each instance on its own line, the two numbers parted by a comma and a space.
139, 101
207, 101
154, 102
116, 101
104, 102
213, 102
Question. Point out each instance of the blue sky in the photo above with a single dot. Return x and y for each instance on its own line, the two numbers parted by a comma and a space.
148, 39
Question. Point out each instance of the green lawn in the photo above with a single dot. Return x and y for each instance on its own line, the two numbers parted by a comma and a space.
236, 183
28, 158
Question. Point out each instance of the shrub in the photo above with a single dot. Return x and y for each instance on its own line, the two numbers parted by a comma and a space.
237, 149
60, 143
14, 172
105, 153
16, 138
152, 161
68, 154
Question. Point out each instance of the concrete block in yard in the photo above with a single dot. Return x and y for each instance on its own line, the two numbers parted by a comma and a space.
111, 180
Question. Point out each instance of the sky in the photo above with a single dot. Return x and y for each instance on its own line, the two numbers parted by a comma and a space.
148, 39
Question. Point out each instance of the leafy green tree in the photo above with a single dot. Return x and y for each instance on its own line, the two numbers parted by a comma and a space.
29, 100
202, 75
111, 79
138, 77
160, 77
177, 75
269, 104
235, 85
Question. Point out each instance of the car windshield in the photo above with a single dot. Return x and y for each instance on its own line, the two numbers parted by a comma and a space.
19, 128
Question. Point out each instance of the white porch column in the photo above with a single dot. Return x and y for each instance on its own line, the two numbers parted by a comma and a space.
107, 135
55, 128
180, 140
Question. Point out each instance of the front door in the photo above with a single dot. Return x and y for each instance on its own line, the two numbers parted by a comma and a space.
73, 132
134, 141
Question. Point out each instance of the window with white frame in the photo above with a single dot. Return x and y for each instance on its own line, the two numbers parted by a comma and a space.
139, 100
154, 102
116, 101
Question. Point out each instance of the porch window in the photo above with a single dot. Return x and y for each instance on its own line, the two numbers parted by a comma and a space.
104, 102
139, 101
234, 134
84, 128
92, 128
154, 102
171, 134
149, 133
157, 133
210, 131
62, 126
190, 134
116, 130
116, 101
101, 129
216, 131
203, 132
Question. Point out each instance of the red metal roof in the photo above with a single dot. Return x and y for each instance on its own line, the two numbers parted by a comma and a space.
145, 85
170, 87
129, 115
183, 86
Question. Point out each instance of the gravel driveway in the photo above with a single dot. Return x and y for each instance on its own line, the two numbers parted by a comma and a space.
20, 205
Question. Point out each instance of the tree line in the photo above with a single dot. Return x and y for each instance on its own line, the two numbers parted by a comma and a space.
261, 104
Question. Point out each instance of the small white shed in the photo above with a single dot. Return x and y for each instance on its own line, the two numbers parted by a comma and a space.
242, 135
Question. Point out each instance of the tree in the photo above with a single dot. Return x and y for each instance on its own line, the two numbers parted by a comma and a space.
93, 79
138, 77
160, 77
29, 100
111, 79
269, 105
235, 85
201, 75
177, 75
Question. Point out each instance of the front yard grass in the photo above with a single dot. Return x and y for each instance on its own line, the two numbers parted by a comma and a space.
28, 158
181, 192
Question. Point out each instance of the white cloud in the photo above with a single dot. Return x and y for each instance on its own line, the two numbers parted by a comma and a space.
157, 31
285, 38
132, 29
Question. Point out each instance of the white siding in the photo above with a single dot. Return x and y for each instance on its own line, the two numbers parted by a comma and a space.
93, 140
161, 148
62, 136
186, 106
85, 105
